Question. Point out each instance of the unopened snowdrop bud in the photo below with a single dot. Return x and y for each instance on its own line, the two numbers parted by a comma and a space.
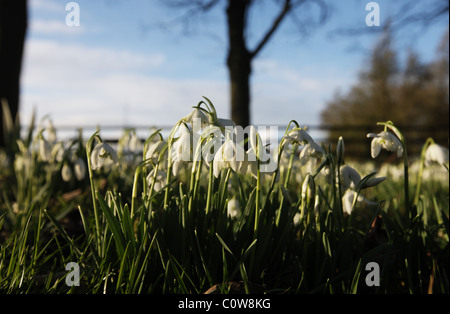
340, 150
102, 155
373, 182
66, 173
79, 168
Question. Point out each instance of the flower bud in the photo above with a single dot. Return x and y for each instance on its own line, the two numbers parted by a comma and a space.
66, 173
340, 150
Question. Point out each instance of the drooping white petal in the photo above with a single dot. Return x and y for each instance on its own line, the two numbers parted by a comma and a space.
66, 173
375, 148
436, 154
79, 168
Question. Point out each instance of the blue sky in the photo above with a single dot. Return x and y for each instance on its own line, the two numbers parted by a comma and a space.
122, 67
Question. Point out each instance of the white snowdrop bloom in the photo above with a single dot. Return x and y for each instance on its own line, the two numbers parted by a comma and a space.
134, 143
387, 141
58, 152
79, 168
310, 150
250, 163
45, 150
154, 150
436, 154
297, 218
66, 173
234, 208
229, 155
51, 132
103, 155
298, 136
183, 148
349, 198
159, 179
349, 177
197, 115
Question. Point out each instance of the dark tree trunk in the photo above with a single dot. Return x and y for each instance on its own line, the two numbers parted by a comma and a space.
238, 62
13, 24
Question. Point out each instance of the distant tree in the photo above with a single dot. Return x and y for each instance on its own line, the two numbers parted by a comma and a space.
240, 56
13, 24
414, 97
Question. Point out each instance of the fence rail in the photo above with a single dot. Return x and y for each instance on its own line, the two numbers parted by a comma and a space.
354, 135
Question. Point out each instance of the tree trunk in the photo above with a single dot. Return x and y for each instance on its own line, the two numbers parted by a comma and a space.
238, 62
13, 24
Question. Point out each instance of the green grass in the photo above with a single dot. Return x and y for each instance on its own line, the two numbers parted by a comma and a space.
131, 231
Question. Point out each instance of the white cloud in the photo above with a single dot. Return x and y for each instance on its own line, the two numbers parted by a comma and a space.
284, 92
78, 85
47, 5
53, 26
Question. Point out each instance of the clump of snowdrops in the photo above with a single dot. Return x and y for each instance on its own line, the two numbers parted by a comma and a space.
212, 203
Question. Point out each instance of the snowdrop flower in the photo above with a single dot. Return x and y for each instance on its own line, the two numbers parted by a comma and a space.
436, 154
348, 199
159, 179
311, 149
79, 168
349, 177
387, 141
154, 151
51, 132
58, 152
45, 149
183, 148
66, 173
297, 218
298, 136
102, 155
229, 155
234, 208
250, 163
134, 143
197, 115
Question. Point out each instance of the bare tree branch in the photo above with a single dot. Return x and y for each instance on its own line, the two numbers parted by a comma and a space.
276, 23
405, 15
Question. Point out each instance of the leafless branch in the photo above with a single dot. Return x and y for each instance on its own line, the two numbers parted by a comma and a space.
276, 23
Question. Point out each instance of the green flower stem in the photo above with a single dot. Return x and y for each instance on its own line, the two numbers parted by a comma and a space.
257, 201
210, 187
428, 142
93, 187
291, 160
169, 171
412, 211
134, 192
